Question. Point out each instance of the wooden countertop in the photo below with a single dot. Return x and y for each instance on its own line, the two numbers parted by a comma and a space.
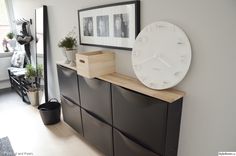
66, 65
168, 95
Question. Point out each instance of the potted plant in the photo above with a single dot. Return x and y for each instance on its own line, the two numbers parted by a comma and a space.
33, 76
11, 41
69, 45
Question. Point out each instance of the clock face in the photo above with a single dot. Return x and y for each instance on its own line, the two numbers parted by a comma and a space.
161, 55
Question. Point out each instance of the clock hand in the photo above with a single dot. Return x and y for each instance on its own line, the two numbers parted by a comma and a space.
148, 59
164, 62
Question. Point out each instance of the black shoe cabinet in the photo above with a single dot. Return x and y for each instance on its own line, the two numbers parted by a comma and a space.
70, 99
119, 121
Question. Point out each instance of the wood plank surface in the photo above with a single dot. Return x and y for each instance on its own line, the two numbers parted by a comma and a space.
168, 95
66, 65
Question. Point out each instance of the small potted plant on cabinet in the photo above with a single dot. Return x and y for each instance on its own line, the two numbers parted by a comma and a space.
11, 41
33, 76
69, 45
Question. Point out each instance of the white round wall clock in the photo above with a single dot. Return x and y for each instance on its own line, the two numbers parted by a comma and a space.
161, 55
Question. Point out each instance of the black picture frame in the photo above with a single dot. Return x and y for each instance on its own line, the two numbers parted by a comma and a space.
121, 38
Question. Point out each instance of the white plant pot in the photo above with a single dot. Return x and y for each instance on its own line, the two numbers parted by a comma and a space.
12, 43
34, 97
64, 53
71, 56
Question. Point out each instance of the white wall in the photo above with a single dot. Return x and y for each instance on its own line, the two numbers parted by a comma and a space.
5, 84
208, 118
5, 61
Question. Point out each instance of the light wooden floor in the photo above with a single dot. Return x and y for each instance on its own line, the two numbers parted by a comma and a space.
23, 125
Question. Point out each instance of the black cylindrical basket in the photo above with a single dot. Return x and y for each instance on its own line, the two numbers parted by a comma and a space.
50, 112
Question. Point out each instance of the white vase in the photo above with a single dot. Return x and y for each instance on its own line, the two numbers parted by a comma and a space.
64, 53
34, 97
12, 43
71, 56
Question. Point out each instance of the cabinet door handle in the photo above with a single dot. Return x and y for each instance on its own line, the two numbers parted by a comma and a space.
133, 98
99, 122
135, 146
66, 71
81, 61
67, 101
94, 83
132, 145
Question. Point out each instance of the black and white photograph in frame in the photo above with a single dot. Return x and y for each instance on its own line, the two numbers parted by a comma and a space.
112, 26
103, 26
88, 26
121, 25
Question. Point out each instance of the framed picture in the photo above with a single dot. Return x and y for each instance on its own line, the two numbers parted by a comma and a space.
112, 26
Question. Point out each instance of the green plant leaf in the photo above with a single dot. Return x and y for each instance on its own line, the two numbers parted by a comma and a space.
10, 35
69, 42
